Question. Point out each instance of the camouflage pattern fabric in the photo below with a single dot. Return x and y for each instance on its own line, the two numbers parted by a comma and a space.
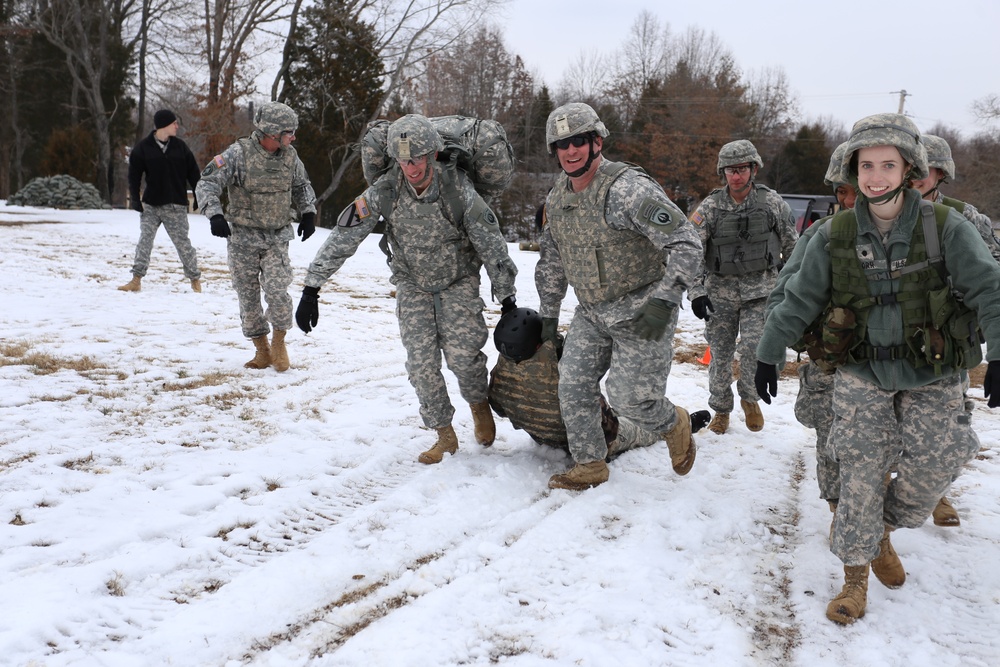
887, 129
982, 222
738, 300
261, 230
925, 431
174, 219
450, 322
637, 371
275, 117
601, 340
814, 409
254, 269
438, 281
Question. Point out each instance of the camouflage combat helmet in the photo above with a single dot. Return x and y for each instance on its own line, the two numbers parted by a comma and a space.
740, 151
518, 334
834, 173
273, 118
887, 129
939, 155
570, 120
412, 136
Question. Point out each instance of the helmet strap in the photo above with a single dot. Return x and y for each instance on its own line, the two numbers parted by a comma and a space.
586, 165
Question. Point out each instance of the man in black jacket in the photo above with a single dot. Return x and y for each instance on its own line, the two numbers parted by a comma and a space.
169, 166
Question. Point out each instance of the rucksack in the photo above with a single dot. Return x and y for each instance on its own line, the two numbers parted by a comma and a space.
478, 147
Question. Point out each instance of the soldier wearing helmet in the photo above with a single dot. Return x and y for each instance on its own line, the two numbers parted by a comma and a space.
843, 189
941, 169
436, 247
747, 231
267, 185
884, 277
613, 234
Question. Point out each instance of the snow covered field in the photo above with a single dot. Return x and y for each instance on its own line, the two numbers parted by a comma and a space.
162, 505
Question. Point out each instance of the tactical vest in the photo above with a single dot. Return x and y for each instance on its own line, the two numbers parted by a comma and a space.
527, 393
601, 263
956, 204
939, 329
743, 242
424, 245
264, 200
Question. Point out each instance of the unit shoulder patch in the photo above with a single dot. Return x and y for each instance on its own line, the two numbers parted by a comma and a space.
660, 215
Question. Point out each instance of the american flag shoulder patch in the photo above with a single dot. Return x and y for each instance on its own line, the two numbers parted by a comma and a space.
219, 161
361, 206
697, 218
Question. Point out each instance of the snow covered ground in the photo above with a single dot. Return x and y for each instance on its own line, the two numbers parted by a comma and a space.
162, 505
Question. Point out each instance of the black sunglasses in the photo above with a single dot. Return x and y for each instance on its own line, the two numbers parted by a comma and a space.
576, 140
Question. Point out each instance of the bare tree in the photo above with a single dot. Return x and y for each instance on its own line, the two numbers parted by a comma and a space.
987, 109
586, 79
87, 32
642, 60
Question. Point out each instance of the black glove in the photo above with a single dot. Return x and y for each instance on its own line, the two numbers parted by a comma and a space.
701, 307
507, 305
220, 227
650, 323
307, 226
991, 383
137, 205
766, 381
307, 314
549, 326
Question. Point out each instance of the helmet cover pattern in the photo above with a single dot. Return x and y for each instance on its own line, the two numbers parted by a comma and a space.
741, 151
834, 173
411, 136
570, 120
887, 129
274, 118
939, 155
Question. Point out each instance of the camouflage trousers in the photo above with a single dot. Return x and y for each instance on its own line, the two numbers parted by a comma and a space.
924, 431
733, 319
814, 409
601, 341
265, 268
174, 219
449, 322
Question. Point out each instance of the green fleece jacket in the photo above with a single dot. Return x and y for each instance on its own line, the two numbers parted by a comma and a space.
807, 292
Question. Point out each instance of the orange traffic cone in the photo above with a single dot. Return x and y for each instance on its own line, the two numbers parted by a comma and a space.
707, 357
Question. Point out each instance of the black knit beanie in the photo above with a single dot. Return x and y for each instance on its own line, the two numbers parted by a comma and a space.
163, 117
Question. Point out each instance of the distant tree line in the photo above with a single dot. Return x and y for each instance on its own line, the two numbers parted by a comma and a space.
79, 80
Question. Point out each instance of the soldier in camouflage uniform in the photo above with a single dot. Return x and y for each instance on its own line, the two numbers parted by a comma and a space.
265, 179
900, 339
168, 166
746, 228
629, 253
941, 169
813, 406
435, 254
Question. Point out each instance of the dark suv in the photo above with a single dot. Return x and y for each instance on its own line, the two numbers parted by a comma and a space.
807, 209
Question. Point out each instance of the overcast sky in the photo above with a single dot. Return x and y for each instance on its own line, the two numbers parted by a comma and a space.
846, 60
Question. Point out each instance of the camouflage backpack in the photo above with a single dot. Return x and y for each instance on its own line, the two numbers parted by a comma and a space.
478, 147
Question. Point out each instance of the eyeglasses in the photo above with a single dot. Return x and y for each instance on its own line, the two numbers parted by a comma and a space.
417, 161
576, 140
739, 169
282, 135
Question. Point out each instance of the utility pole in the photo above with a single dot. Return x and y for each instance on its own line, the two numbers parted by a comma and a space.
902, 99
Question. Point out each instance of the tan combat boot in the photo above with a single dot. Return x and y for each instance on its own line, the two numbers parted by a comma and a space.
132, 285
752, 415
945, 514
195, 285
263, 357
850, 605
581, 476
887, 567
279, 353
447, 442
720, 423
482, 418
681, 443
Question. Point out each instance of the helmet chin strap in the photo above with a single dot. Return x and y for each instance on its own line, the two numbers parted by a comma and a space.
590, 160
881, 199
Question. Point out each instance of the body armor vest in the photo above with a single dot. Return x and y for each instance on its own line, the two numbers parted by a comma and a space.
743, 242
600, 263
939, 329
425, 246
264, 200
527, 393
